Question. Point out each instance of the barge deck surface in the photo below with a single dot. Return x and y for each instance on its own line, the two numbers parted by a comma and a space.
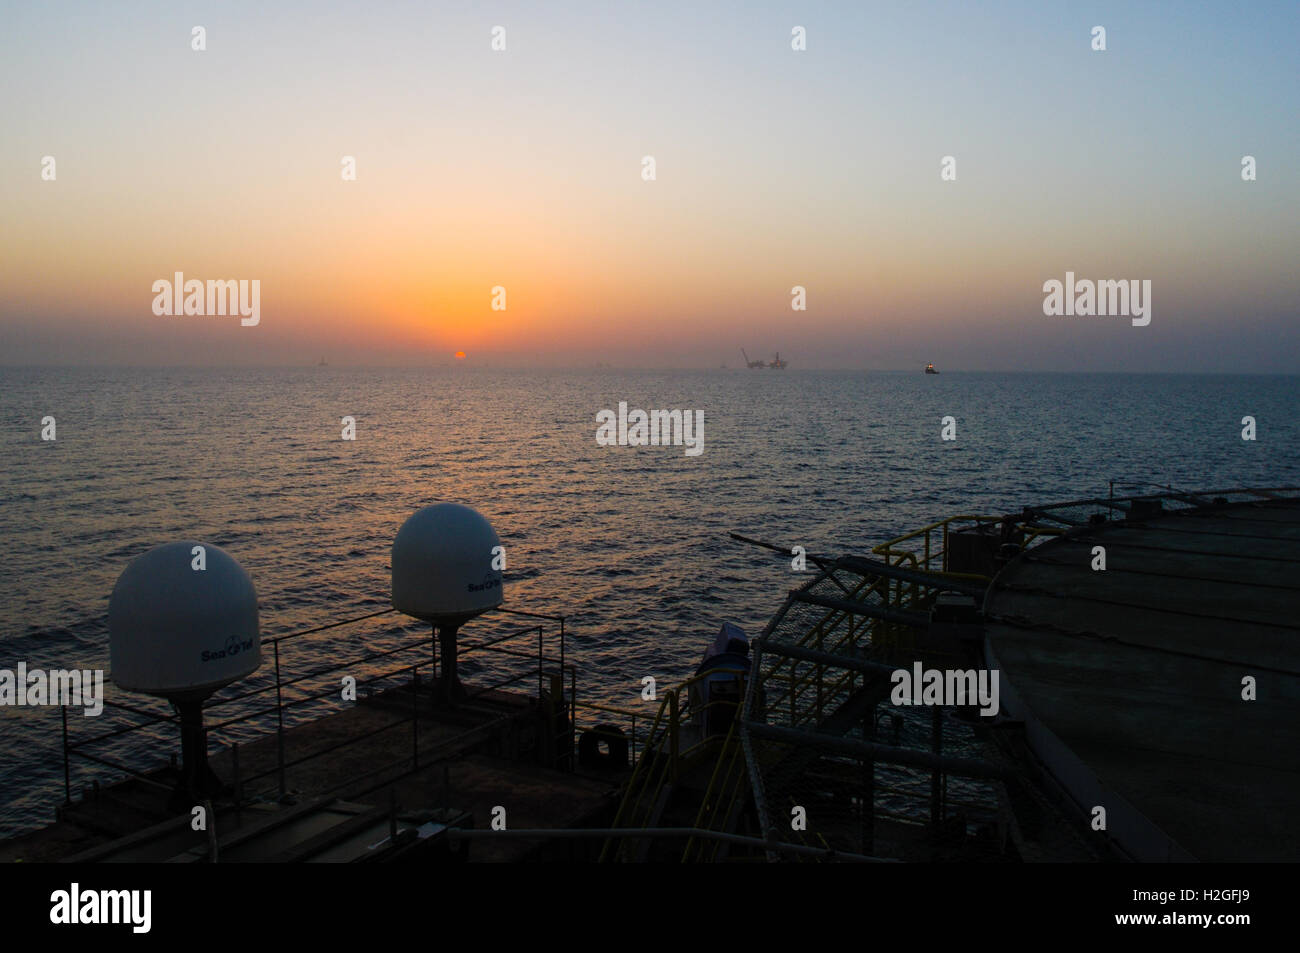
1130, 680
471, 759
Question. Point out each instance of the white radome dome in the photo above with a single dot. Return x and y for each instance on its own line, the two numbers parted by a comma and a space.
442, 564
181, 632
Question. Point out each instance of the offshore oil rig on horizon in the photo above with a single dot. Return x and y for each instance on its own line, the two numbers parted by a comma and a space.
775, 364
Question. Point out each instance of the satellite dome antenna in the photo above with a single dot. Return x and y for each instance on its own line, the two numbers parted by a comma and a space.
182, 623
444, 572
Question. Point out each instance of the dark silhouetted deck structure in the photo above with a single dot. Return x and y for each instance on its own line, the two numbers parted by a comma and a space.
1130, 680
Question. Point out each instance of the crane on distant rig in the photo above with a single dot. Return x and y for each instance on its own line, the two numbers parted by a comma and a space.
749, 363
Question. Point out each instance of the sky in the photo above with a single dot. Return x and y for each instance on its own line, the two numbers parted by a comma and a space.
522, 169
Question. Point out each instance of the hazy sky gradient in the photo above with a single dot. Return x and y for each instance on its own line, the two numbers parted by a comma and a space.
775, 168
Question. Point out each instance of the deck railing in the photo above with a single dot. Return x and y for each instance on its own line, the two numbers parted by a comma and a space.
676, 740
510, 666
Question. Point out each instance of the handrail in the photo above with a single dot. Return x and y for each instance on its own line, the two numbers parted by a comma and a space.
716, 800
278, 680
662, 756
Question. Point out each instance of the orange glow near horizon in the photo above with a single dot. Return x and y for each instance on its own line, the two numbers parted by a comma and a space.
534, 184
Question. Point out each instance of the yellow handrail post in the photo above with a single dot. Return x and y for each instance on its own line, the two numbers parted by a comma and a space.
672, 732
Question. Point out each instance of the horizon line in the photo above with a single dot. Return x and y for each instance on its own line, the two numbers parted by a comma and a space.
641, 368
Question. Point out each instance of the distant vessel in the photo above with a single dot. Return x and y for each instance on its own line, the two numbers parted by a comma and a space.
778, 364
753, 365
322, 363
929, 369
